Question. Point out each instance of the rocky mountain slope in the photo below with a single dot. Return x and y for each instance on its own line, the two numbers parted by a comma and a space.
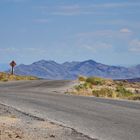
70, 70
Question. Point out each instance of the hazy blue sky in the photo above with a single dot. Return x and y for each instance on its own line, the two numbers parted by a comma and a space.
107, 31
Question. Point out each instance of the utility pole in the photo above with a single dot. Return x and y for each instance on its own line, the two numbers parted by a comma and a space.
12, 64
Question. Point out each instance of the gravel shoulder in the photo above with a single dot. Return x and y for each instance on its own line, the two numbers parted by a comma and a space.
15, 125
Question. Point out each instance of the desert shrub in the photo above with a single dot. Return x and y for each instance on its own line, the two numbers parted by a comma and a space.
134, 97
79, 87
33, 78
104, 92
87, 85
119, 83
81, 78
123, 92
95, 80
4, 80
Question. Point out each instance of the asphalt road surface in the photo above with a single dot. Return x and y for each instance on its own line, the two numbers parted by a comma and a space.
101, 119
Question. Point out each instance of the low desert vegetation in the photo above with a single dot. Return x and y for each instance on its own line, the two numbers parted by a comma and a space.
4, 77
108, 88
95, 81
104, 92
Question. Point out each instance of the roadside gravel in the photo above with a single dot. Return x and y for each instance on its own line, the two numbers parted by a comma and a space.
15, 125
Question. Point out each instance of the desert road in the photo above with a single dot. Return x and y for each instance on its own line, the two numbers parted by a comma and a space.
102, 119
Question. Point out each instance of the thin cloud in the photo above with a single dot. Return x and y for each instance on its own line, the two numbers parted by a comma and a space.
69, 10
96, 33
121, 22
98, 46
125, 30
106, 40
123, 33
7, 50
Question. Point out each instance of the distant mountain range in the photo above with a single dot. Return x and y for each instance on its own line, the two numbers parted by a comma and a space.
71, 70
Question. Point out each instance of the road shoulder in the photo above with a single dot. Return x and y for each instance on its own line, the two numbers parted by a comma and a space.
15, 125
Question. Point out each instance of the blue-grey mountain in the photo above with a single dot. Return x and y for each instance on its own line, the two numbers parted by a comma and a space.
71, 70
